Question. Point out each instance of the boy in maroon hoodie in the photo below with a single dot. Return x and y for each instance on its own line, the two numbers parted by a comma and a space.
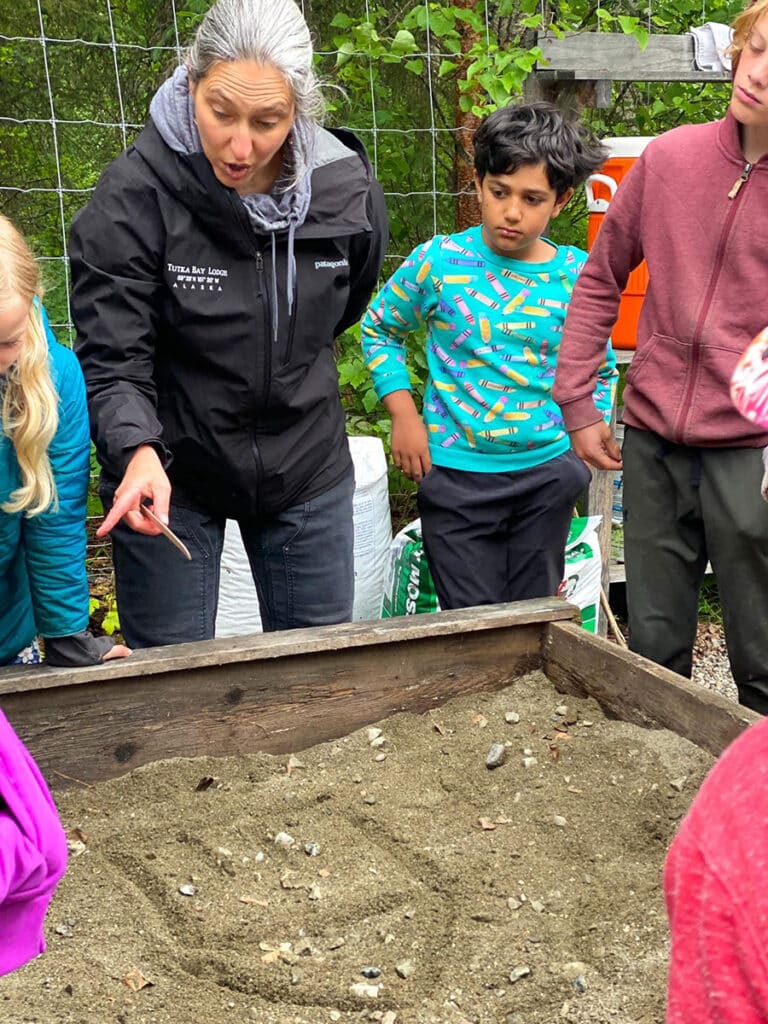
33, 852
694, 207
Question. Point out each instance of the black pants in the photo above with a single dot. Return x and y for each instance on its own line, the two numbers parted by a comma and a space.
302, 563
495, 537
682, 507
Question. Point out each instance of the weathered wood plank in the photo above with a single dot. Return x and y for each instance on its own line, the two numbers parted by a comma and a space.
607, 55
281, 693
186, 657
633, 689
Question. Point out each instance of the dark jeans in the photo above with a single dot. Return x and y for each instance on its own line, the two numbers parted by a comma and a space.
682, 507
302, 564
494, 537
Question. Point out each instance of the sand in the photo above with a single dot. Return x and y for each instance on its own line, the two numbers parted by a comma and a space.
261, 888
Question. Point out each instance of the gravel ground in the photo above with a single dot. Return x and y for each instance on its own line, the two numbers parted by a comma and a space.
710, 660
711, 667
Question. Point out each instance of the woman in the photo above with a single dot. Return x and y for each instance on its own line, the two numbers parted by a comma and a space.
44, 469
217, 261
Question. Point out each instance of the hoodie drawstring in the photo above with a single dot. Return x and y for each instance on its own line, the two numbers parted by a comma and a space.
291, 268
290, 278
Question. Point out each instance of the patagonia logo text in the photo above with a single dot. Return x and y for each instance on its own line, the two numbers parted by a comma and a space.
330, 264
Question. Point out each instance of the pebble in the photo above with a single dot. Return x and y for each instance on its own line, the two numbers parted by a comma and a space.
519, 972
513, 904
312, 849
380, 757
496, 756
370, 972
284, 839
334, 1015
537, 905
561, 709
404, 969
573, 969
373, 733
511, 718
65, 930
314, 892
560, 821
362, 990
187, 890
679, 784
580, 984
529, 762
369, 799
389, 1017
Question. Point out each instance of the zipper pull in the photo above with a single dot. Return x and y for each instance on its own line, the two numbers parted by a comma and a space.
740, 181
259, 261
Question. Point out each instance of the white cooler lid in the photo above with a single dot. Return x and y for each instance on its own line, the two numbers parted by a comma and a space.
628, 145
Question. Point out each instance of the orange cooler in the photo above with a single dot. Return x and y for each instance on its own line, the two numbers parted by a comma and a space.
600, 190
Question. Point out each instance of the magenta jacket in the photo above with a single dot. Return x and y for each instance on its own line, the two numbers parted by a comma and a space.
33, 852
698, 213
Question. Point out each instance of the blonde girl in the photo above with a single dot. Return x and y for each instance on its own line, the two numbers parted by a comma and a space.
44, 468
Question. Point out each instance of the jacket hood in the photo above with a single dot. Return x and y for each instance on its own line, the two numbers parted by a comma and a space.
190, 179
729, 139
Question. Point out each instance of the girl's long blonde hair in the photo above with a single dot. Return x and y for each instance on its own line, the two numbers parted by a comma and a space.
30, 405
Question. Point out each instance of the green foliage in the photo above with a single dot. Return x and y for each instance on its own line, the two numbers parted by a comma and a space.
710, 609
110, 621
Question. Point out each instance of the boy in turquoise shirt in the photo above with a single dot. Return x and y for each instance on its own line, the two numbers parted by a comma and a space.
497, 476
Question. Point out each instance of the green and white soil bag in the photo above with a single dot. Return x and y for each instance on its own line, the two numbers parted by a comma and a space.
409, 589
583, 569
238, 611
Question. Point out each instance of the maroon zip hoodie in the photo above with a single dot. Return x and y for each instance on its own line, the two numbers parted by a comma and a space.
697, 212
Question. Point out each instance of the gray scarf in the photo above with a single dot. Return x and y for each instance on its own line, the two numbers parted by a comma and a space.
284, 208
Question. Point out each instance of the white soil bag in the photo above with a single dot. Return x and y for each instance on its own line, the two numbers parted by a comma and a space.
238, 611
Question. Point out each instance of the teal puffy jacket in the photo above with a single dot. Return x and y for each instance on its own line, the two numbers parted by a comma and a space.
43, 585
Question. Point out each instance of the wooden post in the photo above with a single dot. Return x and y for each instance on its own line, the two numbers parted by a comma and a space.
467, 210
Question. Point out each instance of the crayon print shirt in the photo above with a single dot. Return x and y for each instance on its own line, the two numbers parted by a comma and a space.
493, 327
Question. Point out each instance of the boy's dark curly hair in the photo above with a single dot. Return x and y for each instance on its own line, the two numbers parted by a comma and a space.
534, 133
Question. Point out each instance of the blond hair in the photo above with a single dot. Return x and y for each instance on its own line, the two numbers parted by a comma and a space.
742, 29
30, 405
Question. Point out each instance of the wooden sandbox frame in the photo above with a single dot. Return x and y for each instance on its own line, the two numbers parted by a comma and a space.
283, 692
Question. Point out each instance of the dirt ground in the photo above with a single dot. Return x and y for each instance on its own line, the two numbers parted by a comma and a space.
263, 889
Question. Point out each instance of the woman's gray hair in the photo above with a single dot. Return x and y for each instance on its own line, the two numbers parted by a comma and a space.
270, 32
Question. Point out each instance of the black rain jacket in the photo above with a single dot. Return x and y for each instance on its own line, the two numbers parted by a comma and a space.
172, 302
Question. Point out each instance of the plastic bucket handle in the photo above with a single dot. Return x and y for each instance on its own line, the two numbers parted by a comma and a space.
599, 205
